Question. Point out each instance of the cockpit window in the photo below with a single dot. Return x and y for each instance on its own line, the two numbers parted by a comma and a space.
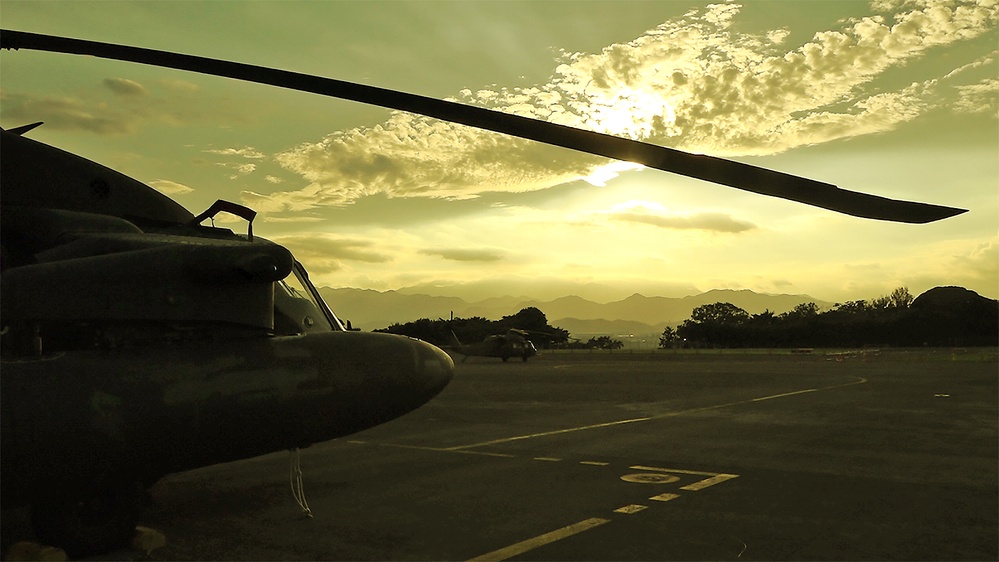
298, 307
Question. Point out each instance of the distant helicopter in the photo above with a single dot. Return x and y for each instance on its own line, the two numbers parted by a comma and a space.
136, 342
513, 343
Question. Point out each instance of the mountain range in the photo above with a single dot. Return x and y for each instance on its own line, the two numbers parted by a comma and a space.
638, 314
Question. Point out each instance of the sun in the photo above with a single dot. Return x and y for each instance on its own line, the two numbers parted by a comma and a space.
630, 113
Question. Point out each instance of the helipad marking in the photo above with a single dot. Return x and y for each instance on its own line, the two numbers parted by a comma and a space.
594, 463
664, 497
708, 482
860, 380
629, 509
540, 540
549, 459
650, 478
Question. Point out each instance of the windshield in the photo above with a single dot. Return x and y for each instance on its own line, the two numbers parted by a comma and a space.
298, 307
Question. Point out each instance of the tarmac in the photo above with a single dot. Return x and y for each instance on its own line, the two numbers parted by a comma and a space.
630, 456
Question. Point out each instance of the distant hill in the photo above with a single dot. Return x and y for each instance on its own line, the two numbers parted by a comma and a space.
954, 315
369, 310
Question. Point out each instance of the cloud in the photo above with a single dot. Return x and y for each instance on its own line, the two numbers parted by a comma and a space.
982, 97
654, 214
125, 87
180, 86
325, 253
715, 222
696, 83
67, 113
121, 106
167, 187
240, 169
980, 264
245, 152
466, 255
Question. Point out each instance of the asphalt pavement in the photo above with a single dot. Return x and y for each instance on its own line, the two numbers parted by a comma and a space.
651, 456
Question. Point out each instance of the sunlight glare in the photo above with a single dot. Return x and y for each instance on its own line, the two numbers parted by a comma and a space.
603, 174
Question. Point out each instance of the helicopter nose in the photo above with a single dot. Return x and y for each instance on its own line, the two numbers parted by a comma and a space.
434, 367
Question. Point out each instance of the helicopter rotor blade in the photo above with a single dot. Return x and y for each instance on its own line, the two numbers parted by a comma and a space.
717, 170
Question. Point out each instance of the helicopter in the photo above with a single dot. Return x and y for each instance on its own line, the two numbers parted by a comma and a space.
137, 342
513, 343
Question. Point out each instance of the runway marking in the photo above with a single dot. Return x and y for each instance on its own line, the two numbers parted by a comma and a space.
435, 449
540, 540
658, 475
707, 482
676, 470
650, 478
715, 477
629, 509
482, 453
860, 380
545, 433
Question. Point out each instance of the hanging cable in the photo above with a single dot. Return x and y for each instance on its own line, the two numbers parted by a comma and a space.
297, 487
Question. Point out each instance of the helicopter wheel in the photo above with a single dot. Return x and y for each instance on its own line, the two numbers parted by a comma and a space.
96, 524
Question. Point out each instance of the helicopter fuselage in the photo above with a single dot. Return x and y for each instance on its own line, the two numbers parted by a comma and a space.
136, 343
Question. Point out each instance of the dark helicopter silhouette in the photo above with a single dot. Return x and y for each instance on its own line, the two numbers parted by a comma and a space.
513, 343
137, 342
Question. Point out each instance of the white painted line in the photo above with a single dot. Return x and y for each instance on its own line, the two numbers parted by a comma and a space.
860, 380
785, 394
664, 497
482, 453
674, 470
540, 540
709, 482
437, 449
629, 509
549, 459
595, 463
545, 433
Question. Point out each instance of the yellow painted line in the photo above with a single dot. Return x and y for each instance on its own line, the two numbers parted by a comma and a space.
664, 497
540, 540
860, 380
549, 459
629, 509
709, 482
595, 463
675, 470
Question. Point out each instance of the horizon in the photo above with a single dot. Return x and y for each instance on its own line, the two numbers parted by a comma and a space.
600, 294
895, 98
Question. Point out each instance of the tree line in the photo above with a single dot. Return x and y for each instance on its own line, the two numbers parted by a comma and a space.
944, 316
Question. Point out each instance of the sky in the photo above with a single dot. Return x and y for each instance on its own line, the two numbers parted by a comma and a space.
890, 97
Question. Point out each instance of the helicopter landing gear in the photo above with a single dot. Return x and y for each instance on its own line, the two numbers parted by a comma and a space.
98, 523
